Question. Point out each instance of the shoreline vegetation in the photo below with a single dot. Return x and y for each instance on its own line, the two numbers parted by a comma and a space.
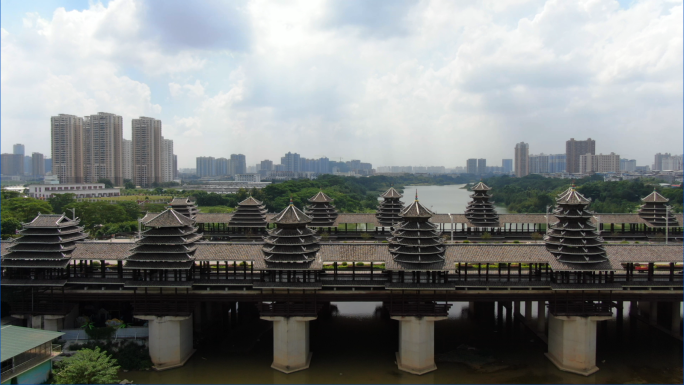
530, 194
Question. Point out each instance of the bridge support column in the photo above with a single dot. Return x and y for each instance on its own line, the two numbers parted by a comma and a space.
653, 313
572, 343
416, 353
528, 310
290, 343
676, 317
541, 316
170, 340
53, 322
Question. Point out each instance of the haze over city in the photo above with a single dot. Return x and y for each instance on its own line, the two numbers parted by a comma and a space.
391, 83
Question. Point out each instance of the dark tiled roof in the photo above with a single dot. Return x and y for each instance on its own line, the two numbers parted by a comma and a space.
250, 202
291, 215
181, 201
391, 193
169, 218
416, 210
655, 197
51, 220
480, 187
321, 197
572, 197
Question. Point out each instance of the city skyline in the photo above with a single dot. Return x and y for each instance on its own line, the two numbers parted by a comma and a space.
387, 82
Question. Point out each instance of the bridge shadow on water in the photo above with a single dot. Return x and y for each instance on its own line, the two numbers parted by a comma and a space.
356, 343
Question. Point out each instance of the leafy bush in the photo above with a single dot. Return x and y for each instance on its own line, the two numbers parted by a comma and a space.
486, 235
516, 241
466, 241
343, 264
359, 264
87, 367
103, 333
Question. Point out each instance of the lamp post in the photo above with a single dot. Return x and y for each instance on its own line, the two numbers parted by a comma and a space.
139, 228
452, 227
547, 217
73, 214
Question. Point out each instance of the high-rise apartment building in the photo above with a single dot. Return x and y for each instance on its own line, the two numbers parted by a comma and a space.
48, 165
573, 150
557, 163
507, 166
37, 165
471, 166
658, 164
627, 165
539, 164
102, 148
238, 164
205, 166
127, 159
482, 166
167, 160
66, 132
671, 163
221, 167
522, 159
19, 166
19, 149
599, 163
147, 151
266, 165
292, 162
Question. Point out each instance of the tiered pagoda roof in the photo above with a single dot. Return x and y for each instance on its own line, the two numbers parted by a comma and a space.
654, 211
415, 239
291, 241
46, 242
184, 206
574, 239
250, 213
389, 211
480, 211
169, 243
322, 213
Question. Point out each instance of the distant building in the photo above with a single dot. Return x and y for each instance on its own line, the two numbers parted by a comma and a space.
254, 178
146, 151
82, 190
658, 163
522, 155
471, 166
166, 160
102, 148
482, 166
238, 164
221, 167
37, 165
507, 165
48, 165
539, 164
28, 165
127, 159
205, 166
628, 165
671, 163
557, 163
599, 163
574, 149
18, 149
292, 162
266, 165
67, 147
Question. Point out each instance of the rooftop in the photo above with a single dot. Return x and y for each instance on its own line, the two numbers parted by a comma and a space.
17, 339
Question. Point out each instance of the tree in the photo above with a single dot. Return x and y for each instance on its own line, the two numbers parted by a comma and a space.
108, 183
10, 226
24, 209
60, 201
128, 184
87, 366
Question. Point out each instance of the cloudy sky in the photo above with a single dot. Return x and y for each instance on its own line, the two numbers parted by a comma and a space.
389, 82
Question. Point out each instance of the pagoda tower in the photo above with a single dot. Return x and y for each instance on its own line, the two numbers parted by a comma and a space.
185, 206
250, 213
168, 244
655, 211
574, 239
415, 239
46, 243
291, 241
389, 211
480, 211
322, 213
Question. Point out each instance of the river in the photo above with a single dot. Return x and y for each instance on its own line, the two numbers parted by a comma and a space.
357, 345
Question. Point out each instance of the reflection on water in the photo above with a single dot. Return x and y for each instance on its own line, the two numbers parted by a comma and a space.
444, 199
357, 345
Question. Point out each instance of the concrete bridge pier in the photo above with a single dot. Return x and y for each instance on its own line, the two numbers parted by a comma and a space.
170, 340
528, 310
290, 343
676, 318
541, 316
572, 343
416, 353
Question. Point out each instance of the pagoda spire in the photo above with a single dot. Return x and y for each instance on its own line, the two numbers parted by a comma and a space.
321, 211
388, 212
249, 213
416, 240
291, 241
574, 239
655, 211
480, 211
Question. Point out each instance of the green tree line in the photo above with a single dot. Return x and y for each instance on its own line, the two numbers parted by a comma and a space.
532, 193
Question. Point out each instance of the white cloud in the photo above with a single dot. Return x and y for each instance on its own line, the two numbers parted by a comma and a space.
431, 82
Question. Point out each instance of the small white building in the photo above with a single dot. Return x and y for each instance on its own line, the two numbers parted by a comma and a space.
82, 190
254, 178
